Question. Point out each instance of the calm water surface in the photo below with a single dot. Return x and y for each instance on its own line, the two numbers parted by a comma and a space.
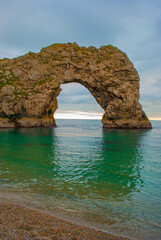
108, 179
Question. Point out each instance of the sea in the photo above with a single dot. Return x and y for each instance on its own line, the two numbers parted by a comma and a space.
108, 179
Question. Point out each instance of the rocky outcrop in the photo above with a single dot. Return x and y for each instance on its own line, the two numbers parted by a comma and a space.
30, 84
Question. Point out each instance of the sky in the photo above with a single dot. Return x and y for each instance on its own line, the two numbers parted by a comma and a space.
132, 26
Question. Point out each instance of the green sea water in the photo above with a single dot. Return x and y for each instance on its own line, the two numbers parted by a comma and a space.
107, 179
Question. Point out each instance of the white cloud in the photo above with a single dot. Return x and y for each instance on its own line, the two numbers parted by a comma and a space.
77, 115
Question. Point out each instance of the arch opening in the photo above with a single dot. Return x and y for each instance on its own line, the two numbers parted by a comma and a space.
76, 102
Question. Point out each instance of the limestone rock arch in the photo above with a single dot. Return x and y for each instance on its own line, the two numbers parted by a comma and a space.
30, 84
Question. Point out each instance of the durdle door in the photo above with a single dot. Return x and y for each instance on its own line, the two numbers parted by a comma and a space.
30, 84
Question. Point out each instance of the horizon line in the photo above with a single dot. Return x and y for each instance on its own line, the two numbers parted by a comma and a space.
88, 116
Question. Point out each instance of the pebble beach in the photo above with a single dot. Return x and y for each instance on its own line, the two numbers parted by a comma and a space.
20, 222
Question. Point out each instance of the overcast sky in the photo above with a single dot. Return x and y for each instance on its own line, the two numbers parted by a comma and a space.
132, 26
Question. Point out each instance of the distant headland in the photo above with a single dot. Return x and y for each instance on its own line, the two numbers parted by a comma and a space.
30, 84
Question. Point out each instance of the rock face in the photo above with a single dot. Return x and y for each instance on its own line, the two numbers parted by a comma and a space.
30, 84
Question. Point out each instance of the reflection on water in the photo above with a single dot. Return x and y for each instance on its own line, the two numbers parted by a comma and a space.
98, 175
122, 162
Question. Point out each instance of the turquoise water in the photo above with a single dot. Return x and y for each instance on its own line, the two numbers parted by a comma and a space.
108, 179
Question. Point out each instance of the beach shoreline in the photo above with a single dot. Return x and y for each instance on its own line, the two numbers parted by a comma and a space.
21, 222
